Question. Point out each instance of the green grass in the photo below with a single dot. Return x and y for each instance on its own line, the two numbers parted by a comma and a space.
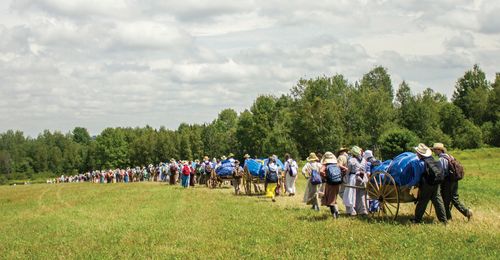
151, 220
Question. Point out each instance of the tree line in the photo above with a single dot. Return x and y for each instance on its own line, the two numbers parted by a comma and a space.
317, 114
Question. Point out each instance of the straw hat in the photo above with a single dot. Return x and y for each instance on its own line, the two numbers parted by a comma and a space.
343, 149
423, 150
172, 160
246, 156
312, 157
230, 155
205, 158
438, 146
356, 150
329, 158
223, 158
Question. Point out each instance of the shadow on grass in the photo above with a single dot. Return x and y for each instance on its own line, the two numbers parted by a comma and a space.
315, 218
400, 220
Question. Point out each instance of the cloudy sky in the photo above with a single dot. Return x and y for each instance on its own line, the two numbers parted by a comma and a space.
101, 63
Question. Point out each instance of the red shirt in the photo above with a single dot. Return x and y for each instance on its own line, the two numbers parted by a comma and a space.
186, 170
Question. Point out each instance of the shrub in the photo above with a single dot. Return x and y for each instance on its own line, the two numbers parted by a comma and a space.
468, 136
397, 140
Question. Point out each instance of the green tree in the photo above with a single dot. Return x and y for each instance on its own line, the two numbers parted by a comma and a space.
378, 79
111, 149
471, 95
396, 141
81, 135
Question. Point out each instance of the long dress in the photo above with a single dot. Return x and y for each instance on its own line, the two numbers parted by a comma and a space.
289, 179
311, 193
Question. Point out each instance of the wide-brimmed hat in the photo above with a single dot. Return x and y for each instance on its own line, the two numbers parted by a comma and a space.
423, 150
343, 149
223, 158
329, 157
230, 155
246, 156
205, 158
312, 157
172, 160
356, 150
438, 146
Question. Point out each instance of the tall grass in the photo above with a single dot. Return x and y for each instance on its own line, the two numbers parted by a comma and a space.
152, 220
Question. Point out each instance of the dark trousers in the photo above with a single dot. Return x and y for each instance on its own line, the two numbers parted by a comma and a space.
449, 192
429, 192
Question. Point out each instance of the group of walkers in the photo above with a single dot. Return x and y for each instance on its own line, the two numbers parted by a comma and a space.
328, 176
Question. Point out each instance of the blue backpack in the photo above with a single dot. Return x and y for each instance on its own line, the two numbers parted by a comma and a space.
333, 175
315, 177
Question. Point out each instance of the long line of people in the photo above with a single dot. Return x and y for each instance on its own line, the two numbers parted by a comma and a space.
328, 176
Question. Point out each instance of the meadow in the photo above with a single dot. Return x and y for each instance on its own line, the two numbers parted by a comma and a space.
155, 220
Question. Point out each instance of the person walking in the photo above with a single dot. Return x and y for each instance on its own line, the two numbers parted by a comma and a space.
192, 174
237, 176
333, 178
310, 172
186, 172
449, 187
173, 169
354, 201
342, 158
428, 189
291, 170
272, 173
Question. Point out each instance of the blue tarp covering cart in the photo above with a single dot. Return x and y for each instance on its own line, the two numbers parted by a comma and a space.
394, 182
255, 173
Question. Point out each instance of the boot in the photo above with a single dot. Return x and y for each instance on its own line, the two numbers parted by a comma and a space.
332, 210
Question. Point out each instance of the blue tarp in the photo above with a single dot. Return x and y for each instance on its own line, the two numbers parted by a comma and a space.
256, 166
226, 168
382, 167
406, 169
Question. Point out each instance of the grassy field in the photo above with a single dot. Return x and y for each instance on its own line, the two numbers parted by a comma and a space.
152, 220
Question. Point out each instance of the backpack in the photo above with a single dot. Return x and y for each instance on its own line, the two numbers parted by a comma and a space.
272, 175
455, 169
315, 177
292, 170
173, 168
433, 173
333, 175
208, 168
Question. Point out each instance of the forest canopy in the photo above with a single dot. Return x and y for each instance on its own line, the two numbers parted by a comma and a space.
318, 114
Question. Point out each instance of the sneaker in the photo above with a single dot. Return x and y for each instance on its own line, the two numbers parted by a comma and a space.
469, 214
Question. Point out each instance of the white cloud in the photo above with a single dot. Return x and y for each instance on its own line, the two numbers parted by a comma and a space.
131, 63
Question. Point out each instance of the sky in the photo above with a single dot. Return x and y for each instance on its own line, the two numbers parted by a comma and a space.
121, 63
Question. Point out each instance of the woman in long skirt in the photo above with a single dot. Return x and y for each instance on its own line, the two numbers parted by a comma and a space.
332, 185
291, 170
311, 193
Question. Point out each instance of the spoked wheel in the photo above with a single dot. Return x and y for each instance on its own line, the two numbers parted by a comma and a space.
247, 182
383, 189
